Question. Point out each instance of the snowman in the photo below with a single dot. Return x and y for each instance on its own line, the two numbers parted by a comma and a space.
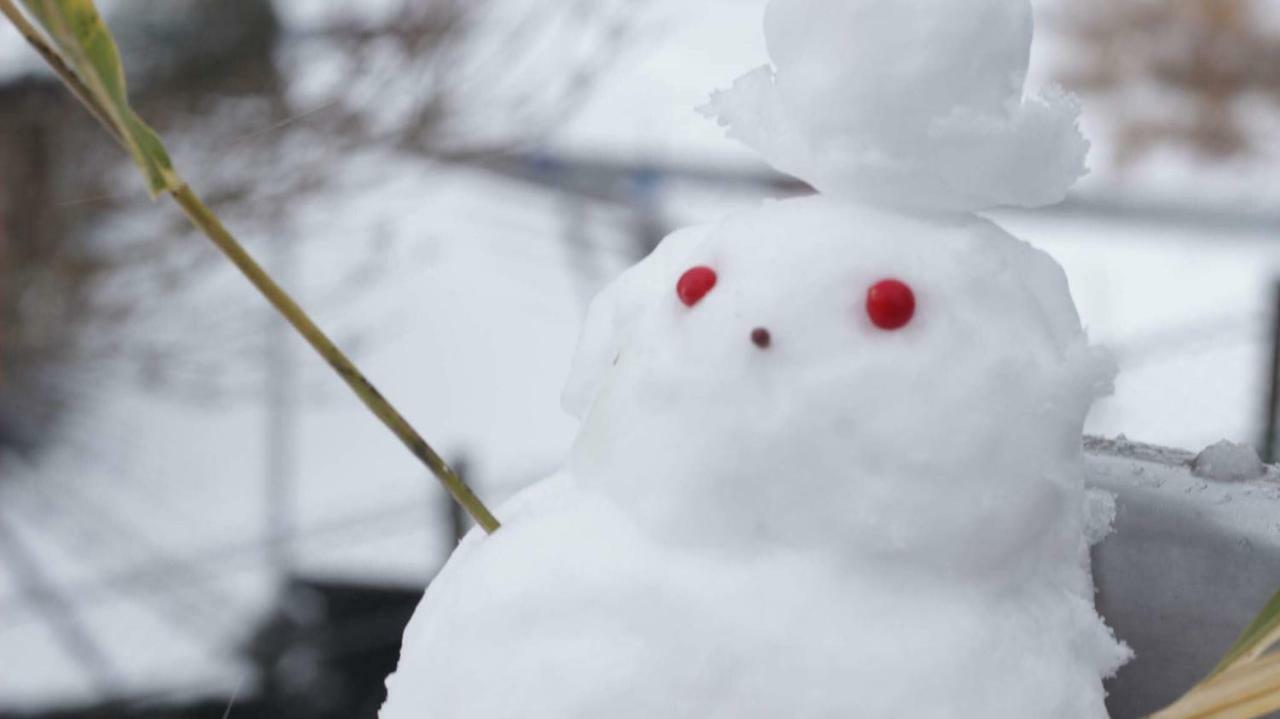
830, 460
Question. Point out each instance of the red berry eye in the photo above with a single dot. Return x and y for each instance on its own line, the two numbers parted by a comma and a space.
695, 284
891, 304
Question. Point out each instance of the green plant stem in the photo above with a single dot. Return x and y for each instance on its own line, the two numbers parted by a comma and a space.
204, 219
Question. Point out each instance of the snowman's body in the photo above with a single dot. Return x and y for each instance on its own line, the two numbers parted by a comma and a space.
830, 461
607, 626
845, 521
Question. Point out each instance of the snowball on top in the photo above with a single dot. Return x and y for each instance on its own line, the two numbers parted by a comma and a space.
952, 441
909, 103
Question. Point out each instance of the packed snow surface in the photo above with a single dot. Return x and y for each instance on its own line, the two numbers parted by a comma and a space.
912, 103
851, 522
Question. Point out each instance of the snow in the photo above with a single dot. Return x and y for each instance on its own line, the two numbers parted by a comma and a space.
1195, 553
632, 630
1182, 314
731, 513
1229, 462
643, 113
696, 373
1099, 515
1184, 309
850, 519
1183, 302
907, 103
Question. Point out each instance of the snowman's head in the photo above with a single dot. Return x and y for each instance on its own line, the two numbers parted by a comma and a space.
908, 103
820, 374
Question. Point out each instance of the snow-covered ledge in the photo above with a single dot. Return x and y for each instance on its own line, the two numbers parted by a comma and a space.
1194, 555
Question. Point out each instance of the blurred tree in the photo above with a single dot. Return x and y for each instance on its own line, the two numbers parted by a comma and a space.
191, 47
456, 78
1190, 73
44, 276
315, 90
264, 103
59, 320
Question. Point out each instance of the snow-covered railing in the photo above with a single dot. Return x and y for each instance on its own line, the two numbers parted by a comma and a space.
1194, 552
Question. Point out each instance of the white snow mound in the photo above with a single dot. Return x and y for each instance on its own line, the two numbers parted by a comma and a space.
909, 103
849, 522
1229, 462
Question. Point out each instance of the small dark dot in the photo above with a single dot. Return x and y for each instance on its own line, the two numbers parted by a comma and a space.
761, 337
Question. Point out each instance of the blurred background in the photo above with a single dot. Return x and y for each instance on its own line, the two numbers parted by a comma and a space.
195, 515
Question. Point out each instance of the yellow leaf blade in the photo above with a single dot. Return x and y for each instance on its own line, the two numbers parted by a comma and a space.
1237, 687
1257, 638
1260, 706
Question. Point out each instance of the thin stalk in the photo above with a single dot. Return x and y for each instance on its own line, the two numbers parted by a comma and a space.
204, 219
1241, 686
1252, 706
1264, 645
1260, 706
